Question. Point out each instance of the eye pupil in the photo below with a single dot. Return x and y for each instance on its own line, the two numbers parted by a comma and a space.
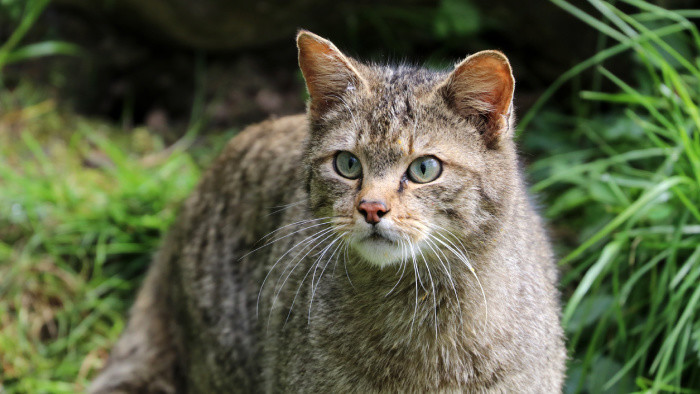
347, 165
425, 169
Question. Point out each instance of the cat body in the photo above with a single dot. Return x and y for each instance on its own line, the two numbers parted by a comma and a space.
310, 259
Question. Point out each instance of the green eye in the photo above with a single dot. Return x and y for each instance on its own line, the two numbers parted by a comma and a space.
424, 169
347, 165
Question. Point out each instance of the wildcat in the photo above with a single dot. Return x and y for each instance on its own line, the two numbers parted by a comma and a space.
383, 242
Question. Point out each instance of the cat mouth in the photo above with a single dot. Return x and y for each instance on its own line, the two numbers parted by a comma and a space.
378, 249
375, 236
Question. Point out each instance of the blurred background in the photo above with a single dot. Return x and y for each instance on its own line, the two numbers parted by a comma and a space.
110, 111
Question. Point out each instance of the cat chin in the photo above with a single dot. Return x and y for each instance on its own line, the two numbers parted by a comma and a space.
379, 252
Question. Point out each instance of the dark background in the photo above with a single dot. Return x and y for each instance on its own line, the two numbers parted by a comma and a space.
146, 62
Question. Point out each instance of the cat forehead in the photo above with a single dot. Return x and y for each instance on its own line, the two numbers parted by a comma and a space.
388, 83
393, 105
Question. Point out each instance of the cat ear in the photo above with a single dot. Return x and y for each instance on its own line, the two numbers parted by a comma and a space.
328, 73
482, 85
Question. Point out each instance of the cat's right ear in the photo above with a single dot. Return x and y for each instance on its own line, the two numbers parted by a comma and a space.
328, 73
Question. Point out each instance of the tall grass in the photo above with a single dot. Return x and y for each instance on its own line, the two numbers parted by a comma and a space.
25, 15
82, 207
629, 201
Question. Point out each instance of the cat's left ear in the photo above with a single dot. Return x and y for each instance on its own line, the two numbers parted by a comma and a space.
329, 74
482, 86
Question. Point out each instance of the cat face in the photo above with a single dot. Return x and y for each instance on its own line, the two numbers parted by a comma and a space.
397, 168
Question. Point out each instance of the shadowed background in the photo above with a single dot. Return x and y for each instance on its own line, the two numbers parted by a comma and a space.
110, 110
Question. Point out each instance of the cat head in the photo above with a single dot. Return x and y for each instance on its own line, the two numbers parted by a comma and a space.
406, 160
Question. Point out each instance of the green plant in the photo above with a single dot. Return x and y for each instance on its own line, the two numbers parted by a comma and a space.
26, 18
81, 212
629, 202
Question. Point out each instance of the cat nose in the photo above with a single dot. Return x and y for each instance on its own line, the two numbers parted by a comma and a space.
372, 210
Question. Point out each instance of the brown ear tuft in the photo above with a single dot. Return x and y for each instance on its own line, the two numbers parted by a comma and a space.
482, 85
327, 72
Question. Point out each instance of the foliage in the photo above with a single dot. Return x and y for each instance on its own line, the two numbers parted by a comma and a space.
25, 18
629, 202
81, 211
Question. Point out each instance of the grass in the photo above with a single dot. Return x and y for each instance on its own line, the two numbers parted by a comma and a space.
627, 202
83, 206
26, 14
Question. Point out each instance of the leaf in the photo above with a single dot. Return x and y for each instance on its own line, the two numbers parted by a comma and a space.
568, 200
602, 193
604, 368
588, 311
696, 341
46, 48
609, 253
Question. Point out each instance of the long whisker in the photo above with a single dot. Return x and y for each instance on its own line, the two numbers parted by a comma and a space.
299, 222
324, 236
437, 252
462, 257
340, 237
432, 285
278, 289
463, 249
444, 265
281, 208
415, 283
288, 235
403, 267
345, 263
335, 264
303, 241
315, 264
318, 281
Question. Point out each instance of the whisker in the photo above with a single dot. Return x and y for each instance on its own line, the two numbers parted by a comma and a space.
318, 281
340, 237
281, 208
403, 268
448, 272
281, 238
464, 248
462, 257
278, 290
345, 263
326, 234
416, 278
335, 265
300, 222
432, 285
308, 242
420, 252
315, 264
303, 241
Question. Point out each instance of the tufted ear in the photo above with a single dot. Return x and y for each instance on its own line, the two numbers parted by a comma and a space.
328, 73
482, 85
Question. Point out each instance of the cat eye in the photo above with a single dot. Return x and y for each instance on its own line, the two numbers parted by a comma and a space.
424, 169
347, 165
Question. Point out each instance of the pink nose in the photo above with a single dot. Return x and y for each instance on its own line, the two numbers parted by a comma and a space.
372, 210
